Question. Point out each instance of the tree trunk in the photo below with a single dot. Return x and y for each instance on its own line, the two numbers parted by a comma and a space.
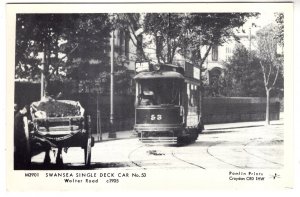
46, 69
168, 41
268, 107
201, 92
158, 48
201, 103
46, 86
139, 48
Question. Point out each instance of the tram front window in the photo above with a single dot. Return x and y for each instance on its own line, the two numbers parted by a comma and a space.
159, 92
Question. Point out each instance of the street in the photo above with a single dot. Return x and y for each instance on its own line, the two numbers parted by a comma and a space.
221, 146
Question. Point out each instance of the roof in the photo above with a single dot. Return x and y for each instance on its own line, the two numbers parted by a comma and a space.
156, 75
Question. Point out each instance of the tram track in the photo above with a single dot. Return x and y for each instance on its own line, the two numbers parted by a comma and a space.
259, 157
190, 163
173, 155
219, 159
133, 162
244, 150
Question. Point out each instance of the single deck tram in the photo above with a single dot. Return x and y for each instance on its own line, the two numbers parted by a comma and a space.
167, 104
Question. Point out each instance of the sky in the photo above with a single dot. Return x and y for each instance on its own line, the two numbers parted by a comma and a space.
264, 19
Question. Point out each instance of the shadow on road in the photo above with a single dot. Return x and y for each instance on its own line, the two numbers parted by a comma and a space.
237, 127
207, 143
209, 132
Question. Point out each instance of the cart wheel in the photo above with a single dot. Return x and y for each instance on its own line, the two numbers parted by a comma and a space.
59, 158
88, 147
87, 152
27, 150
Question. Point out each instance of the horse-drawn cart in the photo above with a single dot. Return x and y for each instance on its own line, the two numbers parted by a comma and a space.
58, 124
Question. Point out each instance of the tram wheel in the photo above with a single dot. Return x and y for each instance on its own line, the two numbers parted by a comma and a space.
183, 140
195, 137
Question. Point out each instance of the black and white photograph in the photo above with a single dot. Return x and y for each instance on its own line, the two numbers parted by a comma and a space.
112, 94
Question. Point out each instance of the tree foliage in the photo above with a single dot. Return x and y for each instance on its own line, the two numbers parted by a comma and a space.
191, 34
242, 75
271, 64
68, 42
76, 46
133, 24
168, 30
280, 24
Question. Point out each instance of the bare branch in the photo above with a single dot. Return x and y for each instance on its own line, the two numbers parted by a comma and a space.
200, 49
69, 53
132, 21
132, 40
264, 74
276, 76
205, 55
270, 71
173, 51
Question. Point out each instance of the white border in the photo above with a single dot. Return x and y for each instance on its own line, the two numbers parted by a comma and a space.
248, 7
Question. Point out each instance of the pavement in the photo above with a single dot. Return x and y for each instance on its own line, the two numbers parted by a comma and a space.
211, 127
119, 136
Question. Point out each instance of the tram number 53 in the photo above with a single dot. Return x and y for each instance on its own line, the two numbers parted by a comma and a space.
156, 117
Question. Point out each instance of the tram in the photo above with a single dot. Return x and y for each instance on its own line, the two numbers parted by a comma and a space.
167, 104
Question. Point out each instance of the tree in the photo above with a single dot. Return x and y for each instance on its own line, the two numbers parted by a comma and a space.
270, 64
168, 30
206, 30
132, 23
242, 75
67, 41
192, 35
280, 32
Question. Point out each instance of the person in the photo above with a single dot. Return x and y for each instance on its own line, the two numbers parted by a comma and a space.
147, 97
20, 158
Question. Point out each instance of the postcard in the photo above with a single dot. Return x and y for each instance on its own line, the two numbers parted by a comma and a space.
149, 96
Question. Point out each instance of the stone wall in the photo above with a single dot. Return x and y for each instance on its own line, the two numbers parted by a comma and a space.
238, 109
216, 109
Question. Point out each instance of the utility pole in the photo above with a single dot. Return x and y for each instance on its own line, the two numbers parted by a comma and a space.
168, 40
112, 133
99, 130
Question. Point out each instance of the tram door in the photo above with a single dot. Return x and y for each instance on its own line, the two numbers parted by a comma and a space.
191, 105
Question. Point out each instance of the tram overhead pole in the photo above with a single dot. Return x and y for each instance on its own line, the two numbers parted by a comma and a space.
112, 132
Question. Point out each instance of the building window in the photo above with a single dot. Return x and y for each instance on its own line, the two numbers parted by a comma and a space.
228, 53
214, 53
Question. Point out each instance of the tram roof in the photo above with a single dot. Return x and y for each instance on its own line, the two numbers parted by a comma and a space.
159, 75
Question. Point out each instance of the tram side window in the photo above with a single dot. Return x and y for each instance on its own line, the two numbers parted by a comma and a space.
193, 95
